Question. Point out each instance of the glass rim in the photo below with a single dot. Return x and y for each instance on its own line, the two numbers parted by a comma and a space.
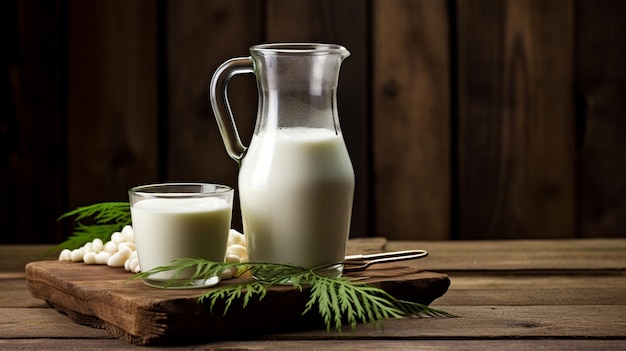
300, 48
201, 189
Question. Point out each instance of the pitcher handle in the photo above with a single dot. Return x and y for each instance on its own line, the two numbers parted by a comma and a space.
218, 96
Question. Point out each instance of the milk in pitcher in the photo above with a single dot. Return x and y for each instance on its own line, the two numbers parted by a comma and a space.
296, 181
296, 187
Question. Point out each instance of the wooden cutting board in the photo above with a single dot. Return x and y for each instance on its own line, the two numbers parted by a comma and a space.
102, 297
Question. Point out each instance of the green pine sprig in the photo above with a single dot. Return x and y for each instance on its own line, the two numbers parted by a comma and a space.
334, 299
106, 217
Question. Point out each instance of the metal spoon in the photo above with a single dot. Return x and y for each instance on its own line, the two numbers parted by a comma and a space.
358, 263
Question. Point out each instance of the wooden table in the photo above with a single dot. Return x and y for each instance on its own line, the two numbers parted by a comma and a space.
528, 295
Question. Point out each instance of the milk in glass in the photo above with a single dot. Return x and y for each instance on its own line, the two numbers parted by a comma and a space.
169, 228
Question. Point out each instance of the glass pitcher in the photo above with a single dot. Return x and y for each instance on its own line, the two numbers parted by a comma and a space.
296, 180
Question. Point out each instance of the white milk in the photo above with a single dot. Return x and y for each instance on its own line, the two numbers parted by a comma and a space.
296, 187
171, 228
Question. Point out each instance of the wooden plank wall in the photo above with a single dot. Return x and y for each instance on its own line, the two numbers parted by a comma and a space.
473, 119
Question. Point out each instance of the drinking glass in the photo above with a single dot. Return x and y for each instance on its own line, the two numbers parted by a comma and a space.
180, 220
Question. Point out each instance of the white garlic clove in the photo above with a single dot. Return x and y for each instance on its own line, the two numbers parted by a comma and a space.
116, 260
134, 263
76, 255
102, 257
97, 245
131, 246
110, 247
232, 259
90, 258
117, 237
88, 247
237, 250
127, 264
65, 255
128, 234
124, 252
236, 238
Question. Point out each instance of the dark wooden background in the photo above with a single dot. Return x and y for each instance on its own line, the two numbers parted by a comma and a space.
472, 119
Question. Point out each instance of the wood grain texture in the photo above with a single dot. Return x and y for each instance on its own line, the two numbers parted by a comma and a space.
602, 99
411, 121
271, 345
112, 116
32, 135
535, 288
515, 119
13, 289
325, 22
101, 297
201, 35
523, 256
510, 322
464, 119
523, 295
51, 324
13, 258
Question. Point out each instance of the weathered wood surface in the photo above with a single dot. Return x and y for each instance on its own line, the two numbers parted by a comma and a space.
32, 127
113, 103
101, 297
602, 136
515, 119
526, 295
535, 290
540, 256
473, 119
475, 322
412, 119
391, 345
